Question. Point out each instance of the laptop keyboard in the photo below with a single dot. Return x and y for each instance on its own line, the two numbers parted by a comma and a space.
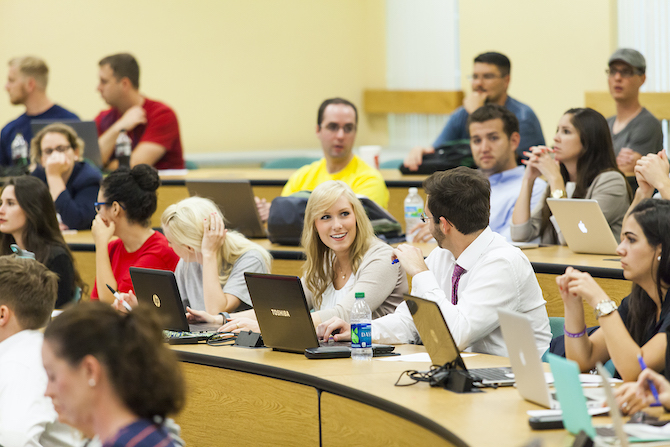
493, 374
171, 335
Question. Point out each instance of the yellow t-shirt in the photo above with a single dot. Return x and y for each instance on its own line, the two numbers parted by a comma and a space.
362, 178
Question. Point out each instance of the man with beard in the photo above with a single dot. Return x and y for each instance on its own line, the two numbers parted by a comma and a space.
490, 80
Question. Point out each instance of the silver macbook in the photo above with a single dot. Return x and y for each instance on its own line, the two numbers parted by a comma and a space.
526, 364
442, 349
235, 199
86, 130
583, 226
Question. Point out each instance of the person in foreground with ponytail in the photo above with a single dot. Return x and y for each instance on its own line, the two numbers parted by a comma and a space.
111, 376
126, 202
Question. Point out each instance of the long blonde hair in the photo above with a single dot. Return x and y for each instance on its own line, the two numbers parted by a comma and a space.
318, 270
185, 222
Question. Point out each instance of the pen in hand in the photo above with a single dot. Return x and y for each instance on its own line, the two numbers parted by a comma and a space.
651, 385
117, 297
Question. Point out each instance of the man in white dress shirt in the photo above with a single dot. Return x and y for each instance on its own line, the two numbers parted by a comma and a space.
495, 274
27, 296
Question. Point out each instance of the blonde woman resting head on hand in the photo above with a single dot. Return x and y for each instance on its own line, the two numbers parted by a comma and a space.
638, 326
210, 273
343, 257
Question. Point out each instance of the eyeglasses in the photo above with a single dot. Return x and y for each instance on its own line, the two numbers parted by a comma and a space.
98, 205
484, 77
425, 218
60, 149
334, 128
624, 72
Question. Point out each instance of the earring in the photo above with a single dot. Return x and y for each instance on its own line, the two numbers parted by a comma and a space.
659, 258
91, 382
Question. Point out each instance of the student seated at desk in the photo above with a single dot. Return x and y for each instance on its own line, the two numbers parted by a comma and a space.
471, 274
111, 376
637, 327
343, 257
73, 184
28, 219
210, 273
126, 201
581, 165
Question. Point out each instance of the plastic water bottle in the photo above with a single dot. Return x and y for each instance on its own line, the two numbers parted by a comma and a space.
123, 148
361, 329
413, 210
19, 151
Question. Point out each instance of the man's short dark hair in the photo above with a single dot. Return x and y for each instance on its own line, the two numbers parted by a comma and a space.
327, 102
491, 111
124, 65
29, 289
460, 195
499, 60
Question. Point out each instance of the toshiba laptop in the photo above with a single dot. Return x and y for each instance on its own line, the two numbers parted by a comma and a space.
86, 130
283, 316
440, 344
235, 199
583, 226
158, 288
526, 363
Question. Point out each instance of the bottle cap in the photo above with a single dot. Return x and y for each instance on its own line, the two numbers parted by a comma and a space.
413, 190
359, 295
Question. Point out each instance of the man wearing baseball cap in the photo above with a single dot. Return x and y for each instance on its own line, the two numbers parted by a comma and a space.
635, 131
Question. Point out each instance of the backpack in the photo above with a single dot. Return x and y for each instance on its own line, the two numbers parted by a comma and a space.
451, 155
287, 216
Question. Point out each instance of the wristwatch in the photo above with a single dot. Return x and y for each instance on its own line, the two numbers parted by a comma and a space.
605, 307
558, 194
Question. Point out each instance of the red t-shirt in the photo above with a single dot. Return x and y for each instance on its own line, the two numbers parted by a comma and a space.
154, 254
161, 128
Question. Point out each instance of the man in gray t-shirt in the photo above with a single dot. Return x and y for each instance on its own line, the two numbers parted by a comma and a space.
635, 131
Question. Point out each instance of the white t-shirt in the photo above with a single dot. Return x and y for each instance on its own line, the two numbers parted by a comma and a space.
331, 296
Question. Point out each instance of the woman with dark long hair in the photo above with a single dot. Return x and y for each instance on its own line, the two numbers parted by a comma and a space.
638, 325
28, 219
581, 165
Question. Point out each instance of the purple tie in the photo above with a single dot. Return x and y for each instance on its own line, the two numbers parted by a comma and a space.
458, 271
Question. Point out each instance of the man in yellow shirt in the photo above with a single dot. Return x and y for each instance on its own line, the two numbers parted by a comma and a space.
336, 129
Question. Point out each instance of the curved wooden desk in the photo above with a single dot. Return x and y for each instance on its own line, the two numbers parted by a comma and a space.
260, 397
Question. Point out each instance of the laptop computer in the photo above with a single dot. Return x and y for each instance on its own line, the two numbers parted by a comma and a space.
440, 344
583, 226
283, 316
158, 288
235, 199
575, 413
86, 130
526, 363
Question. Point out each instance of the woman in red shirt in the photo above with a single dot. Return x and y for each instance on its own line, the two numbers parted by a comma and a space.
126, 202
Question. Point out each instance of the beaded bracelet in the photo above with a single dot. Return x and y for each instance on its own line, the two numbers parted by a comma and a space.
577, 335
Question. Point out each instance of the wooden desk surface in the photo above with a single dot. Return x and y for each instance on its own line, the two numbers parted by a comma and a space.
268, 177
493, 417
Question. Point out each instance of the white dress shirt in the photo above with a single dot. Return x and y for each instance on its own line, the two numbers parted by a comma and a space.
498, 275
27, 417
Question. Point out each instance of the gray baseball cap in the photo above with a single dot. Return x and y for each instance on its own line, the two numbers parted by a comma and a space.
632, 57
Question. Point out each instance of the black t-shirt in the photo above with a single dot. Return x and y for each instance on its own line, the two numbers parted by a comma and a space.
60, 263
663, 322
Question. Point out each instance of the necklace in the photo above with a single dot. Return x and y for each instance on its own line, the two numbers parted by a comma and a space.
341, 270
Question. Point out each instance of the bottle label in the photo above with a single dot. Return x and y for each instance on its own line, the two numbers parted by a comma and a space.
412, 211
361, 335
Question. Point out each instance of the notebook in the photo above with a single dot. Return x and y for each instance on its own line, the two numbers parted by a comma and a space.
526, 363
235, 199
440, 344
158, 288
583, 226
86, 130
283, 316
575, 413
